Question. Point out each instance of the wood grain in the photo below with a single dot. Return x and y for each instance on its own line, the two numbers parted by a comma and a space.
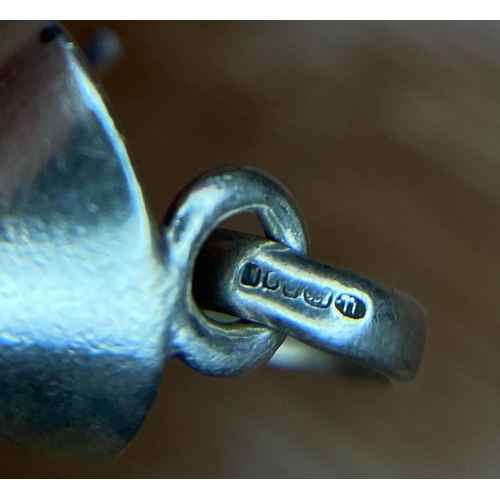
388, 136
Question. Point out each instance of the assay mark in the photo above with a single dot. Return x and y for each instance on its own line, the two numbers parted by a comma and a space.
254, 276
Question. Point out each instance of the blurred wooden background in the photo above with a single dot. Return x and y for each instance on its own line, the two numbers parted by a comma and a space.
388, 135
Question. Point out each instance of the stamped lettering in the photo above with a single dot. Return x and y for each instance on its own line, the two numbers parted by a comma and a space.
291, 291
250, 275
270, 281
350, 306
318, 298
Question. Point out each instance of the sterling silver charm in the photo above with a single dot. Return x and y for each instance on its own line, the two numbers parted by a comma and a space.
95, 298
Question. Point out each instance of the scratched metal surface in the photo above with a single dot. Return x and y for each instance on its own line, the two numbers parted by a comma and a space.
73, 379
387, 135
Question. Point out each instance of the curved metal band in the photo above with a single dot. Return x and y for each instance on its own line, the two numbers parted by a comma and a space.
331, 309
207, 346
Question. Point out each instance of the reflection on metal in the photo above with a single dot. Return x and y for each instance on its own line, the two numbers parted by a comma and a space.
374, 325
94, 298
208, 346
82, 278
296, 356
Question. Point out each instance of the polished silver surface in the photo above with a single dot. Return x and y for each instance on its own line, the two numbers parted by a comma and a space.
331, 309
207, 346
82, 276
294, 355
95, 299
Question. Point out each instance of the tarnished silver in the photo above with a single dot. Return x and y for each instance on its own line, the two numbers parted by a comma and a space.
94, 298
207, 346
331, 309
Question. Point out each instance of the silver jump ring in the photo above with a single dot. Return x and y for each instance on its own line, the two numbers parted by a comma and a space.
209, 347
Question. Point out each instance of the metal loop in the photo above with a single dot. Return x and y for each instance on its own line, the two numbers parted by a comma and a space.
332, 309
209, 347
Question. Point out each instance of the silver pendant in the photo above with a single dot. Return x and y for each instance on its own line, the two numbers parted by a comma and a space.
94, 298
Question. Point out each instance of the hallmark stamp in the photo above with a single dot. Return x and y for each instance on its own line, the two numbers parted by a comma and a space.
350, 306
271, 280
250, 275
318, 298
254, 276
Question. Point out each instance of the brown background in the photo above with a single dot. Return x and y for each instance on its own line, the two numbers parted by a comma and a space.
388, 136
